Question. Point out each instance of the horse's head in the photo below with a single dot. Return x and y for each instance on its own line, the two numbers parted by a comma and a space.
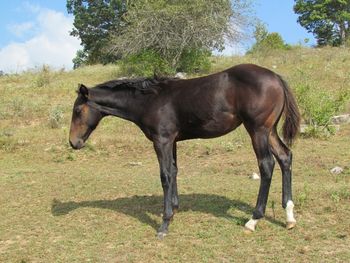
84, 119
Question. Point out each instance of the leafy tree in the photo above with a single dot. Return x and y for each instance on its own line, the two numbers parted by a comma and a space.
265, 41
328, 20
172, 28
80, 59
93, 21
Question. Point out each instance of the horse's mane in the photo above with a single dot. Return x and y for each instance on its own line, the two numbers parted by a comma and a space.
145, 85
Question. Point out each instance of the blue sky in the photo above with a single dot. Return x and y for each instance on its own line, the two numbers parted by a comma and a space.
280, 17
36, 32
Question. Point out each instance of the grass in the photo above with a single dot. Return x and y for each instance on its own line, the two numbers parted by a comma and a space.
104, 203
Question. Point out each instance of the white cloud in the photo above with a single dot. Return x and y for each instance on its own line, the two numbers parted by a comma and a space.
20, 30
51, 44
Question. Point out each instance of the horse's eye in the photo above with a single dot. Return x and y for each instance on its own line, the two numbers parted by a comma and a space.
78, 110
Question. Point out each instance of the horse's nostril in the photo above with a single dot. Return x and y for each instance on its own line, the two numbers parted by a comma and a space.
76, 145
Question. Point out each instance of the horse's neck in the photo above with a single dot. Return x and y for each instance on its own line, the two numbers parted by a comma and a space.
122, 105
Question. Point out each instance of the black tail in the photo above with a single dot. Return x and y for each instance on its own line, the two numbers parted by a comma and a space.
291, 123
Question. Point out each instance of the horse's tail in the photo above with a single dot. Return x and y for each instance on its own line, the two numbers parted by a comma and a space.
291, 123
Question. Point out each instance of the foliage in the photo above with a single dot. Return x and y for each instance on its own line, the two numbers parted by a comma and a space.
150, 63
265, 41
175, 27
146, 63
318, 106
80, 59
194, 61
329, 21
172, 29
93, 20
56, 117
43, 77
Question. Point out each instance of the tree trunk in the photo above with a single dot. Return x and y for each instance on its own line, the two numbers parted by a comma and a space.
342, 33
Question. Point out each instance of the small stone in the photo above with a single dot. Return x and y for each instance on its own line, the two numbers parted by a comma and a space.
180, 75
254, 176
135, 163
344, 118
337, 170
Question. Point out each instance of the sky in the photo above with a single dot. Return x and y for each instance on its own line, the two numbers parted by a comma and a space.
36, 32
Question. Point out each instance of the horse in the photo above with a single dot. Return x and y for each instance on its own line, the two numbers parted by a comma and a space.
169, 110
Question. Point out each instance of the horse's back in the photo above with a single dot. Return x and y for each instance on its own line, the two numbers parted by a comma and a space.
216, 104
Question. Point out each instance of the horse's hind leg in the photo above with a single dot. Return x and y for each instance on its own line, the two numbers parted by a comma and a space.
174, 198
284, 158
260, 140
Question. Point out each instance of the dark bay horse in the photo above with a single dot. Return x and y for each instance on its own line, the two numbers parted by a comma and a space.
171, 110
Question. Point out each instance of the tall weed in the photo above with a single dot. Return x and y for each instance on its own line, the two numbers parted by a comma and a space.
319, 106
56, 117
43, 77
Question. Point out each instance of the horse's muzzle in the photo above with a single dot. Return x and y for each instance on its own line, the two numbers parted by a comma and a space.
77, 144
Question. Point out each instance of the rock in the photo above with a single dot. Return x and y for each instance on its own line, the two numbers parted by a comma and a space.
337, 170
255, 176
303, 128
134, 164
344, 118
180, 75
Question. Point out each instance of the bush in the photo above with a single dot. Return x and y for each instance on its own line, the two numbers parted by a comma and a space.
319, 106
56, 117
195, 61
80, 59
43, 77
149, 62
272, 41
145, 64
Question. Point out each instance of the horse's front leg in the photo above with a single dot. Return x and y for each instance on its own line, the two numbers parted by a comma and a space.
164, 150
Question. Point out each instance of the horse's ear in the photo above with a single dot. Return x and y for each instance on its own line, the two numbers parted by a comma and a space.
83, 90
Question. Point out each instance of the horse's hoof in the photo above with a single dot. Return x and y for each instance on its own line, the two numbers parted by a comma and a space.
291, 225
250, 225
248, 231
161, 235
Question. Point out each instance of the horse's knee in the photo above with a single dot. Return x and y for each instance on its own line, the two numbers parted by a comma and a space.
266, 166
286, 161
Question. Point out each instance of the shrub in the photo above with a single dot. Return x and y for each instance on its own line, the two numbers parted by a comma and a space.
43, 77
269, 42
149, 62
318, 106
195, 61
80, 59
146, 64
56, 117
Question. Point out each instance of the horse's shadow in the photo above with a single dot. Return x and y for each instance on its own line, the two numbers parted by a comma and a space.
140, 207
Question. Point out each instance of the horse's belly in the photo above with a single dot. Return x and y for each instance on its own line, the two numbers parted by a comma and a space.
217, 126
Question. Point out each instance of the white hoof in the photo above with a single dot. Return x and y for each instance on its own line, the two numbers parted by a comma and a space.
291, 222
251, 224
291, 225
161, 235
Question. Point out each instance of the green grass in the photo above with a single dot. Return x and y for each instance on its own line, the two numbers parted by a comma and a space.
104, 203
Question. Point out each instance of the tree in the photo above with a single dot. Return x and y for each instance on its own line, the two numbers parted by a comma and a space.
93, 21
265, 41
111, 29
328, 20
172, 28
80, 59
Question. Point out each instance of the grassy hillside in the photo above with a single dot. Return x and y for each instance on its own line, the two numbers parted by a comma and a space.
103, 203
